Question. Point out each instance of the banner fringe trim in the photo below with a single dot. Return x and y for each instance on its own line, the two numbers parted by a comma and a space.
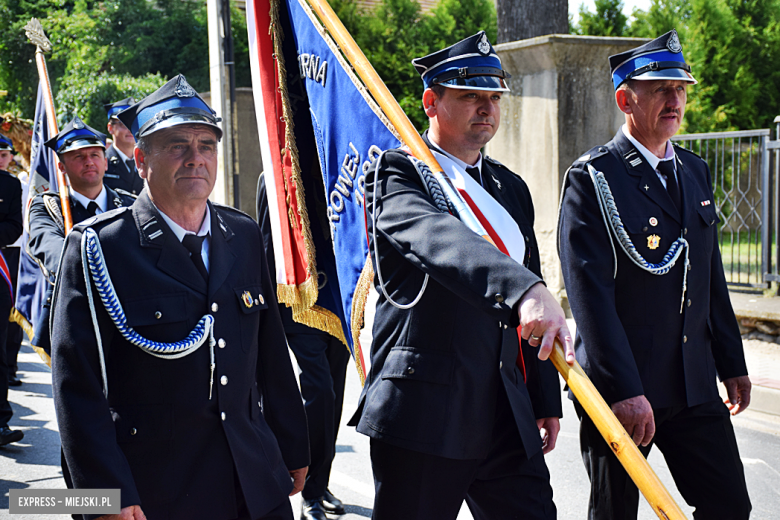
359, 299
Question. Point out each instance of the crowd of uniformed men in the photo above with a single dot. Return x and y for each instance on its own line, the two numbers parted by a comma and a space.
171, 374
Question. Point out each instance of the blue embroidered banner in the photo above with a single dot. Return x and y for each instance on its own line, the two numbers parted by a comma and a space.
350, 132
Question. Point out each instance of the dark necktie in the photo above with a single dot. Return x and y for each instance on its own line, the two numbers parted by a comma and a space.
194, 245
130, 165
92, 208
667, 170
474, 172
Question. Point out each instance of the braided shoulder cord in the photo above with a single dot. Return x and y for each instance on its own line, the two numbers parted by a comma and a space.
612, 218
432, 185
94, 265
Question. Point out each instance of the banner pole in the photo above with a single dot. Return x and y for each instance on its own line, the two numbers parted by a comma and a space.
34, 31
613, 432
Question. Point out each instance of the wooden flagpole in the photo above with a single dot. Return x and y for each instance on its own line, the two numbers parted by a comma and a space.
613, 432
34, 31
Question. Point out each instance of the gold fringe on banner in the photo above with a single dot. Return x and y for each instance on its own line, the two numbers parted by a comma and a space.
303, 297
18, 318
359, 312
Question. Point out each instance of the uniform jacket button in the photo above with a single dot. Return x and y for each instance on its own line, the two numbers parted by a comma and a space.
500, 365
223, 380
158, 315
133, 431
685, 339
410, 370
644, 228
499, 298
214, 307
224, 416
221, 343
689, 303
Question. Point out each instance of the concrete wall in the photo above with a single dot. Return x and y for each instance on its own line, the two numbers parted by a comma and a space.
561, 104
250, 163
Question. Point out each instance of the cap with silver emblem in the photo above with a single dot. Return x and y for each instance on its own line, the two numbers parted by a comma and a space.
659, 59
76, 135
6, 144
175, 103
470, 64
113, 109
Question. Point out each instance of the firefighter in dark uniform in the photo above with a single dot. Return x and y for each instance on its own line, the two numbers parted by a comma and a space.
172, 381
639, 248
454, 411
121, 174
10, 231
81, 150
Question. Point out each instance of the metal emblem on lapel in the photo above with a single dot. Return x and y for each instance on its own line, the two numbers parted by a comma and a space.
498, 183
653, 221
653, 241
247, 299
260, 297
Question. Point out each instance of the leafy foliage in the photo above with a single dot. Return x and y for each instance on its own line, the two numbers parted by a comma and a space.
608, 20
108, 48
397, 31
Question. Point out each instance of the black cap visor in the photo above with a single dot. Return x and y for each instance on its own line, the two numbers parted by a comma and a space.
80, 142
493, 83
666, 74
179, 116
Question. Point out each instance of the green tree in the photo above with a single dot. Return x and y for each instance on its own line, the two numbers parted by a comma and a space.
608, 20
660, 18
106, 42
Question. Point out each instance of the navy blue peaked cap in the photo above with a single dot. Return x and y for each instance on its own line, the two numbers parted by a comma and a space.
76, 135
470, 64
661, 58
112, 109
6, 144
175, 103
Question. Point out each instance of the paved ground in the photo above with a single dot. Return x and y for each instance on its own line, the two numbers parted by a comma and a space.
34, 463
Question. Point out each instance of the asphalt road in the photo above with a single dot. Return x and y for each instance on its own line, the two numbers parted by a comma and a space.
34, 462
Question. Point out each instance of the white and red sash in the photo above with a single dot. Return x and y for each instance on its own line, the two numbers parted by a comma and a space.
496, 220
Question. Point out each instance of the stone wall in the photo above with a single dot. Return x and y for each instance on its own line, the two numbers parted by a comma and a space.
561, 104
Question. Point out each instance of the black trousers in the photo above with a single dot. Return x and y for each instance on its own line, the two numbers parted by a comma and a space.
14, 334
5, 310
506, 485
322, 360
700, 449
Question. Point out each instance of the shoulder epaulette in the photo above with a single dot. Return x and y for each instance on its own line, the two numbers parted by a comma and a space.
103, 217
126, 193
678, 148
221, 207
51, 200
591, 155
495, 162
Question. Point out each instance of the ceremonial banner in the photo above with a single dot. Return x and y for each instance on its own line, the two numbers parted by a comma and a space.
31, 285
319, 131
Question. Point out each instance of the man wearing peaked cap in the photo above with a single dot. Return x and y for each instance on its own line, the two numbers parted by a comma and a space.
121, 173
81, 150
654, 320
455, 398
10, 231
181, 391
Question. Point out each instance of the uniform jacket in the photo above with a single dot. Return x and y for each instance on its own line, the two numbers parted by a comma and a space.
158, 437
10, 209
631, 337
119, 176
437, 368
45, 245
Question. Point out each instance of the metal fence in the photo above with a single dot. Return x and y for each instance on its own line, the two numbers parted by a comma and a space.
746, 198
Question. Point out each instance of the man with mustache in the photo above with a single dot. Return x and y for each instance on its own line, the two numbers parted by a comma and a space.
81, 150
455, 399
653, 333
